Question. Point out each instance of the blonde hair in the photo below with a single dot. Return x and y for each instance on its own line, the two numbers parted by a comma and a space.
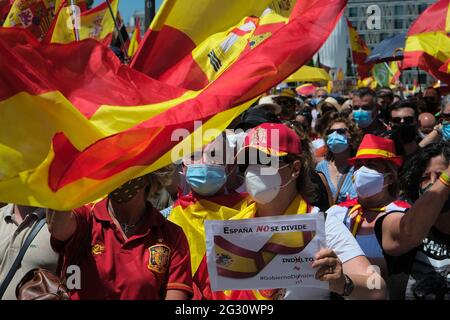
160, 179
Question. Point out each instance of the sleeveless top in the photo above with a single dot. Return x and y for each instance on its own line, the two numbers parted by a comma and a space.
422, 273
368, 243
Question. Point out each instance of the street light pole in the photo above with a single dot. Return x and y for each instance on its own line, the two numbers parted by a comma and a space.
149, 13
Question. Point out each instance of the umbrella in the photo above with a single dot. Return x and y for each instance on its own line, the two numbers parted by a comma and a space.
389, 49
307, 89
308, 74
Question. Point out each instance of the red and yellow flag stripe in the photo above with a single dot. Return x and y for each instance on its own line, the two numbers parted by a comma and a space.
76, 123
428, 41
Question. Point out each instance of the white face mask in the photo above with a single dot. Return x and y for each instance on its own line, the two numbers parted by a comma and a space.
368, 182
263, 188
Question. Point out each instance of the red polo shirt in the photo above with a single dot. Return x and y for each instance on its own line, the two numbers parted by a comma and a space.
144, 266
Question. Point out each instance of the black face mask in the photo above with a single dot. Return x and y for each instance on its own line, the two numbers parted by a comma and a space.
432, 105
128, 190
405, 132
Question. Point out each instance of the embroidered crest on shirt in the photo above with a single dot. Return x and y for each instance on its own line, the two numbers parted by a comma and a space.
97, 249
158, 260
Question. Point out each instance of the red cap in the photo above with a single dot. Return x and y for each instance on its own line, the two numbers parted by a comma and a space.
273, 139
373, 147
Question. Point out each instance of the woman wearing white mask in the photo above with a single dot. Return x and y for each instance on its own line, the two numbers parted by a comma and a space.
376, 184
343, 138
285, 188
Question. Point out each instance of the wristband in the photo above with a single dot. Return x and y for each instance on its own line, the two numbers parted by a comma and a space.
445, 179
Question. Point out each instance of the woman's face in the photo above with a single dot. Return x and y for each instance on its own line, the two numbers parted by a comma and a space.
340, 128
435, 167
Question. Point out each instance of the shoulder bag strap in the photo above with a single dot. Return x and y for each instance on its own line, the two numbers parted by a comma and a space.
341, 183
16, 264
327, 187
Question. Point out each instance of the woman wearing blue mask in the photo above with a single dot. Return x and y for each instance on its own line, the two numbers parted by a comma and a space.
376, 184
342, 139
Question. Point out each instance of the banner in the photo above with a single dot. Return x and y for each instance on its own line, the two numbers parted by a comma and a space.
264, 253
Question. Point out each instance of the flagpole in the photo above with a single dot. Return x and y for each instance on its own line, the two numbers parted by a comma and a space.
77, 33
418, 80
119, 34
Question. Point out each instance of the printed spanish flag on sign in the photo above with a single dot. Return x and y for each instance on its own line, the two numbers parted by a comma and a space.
76, 124
428, 41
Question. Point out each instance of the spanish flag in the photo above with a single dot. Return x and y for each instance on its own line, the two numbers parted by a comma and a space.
445, 67
34, 15
394, 73
5, 7
135, 39
96, 23
82, 4
428, 41
191, 56
360, 51
76, 124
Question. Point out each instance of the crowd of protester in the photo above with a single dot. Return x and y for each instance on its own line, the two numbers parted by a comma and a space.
375, 162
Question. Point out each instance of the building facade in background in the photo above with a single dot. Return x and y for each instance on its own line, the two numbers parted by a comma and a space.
396, 17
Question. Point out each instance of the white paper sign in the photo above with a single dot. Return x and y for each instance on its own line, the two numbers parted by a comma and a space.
265, 253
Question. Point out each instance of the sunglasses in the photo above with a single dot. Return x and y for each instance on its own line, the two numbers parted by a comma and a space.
406, 120
339, 131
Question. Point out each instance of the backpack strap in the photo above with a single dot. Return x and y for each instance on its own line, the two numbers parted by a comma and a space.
17, 262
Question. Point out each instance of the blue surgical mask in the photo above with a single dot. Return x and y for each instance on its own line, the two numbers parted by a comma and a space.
315, 101
446, 130
363, 118
206, 179
337, 142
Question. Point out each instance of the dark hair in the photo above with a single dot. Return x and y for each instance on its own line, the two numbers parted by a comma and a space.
409, 103
305, 114
385, 92
364, 91
415, 166
323, 121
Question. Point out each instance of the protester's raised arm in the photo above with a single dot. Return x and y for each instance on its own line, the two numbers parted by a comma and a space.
433, 136
61, 224
403, 232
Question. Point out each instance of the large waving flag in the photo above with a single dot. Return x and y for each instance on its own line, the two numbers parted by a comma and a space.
360, 51
190, 44
76, 123
34, 15
428, 41
96, 23
445, 67
5, 7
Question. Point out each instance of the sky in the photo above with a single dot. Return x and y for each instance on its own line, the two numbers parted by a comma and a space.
127, 7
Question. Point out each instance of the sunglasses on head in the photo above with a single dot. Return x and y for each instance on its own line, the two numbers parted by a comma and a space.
406, 120
339, 131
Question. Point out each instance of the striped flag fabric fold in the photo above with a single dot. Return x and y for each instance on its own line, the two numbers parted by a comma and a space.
92, 124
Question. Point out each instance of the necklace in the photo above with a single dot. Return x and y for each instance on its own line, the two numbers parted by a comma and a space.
125, 226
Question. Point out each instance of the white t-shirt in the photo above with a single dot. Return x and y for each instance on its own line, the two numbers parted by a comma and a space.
342, 242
